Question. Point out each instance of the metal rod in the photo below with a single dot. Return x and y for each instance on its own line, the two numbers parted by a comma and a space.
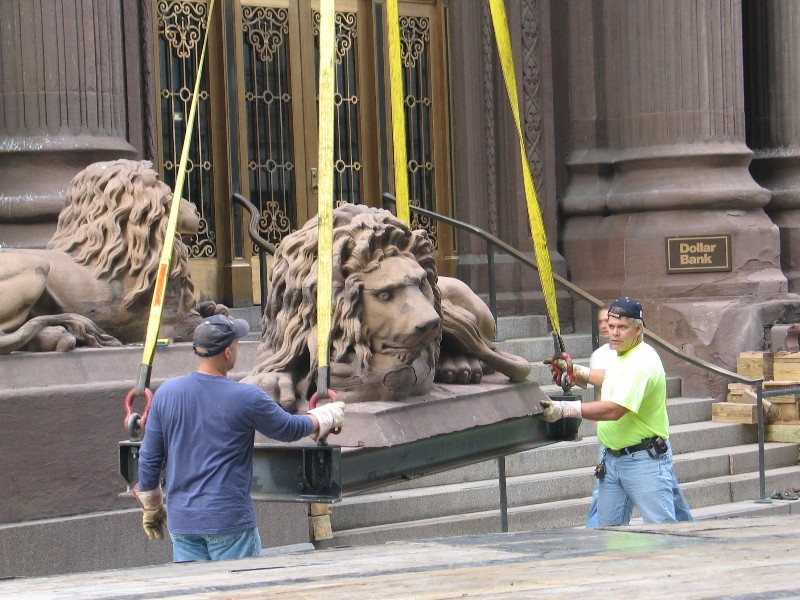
501, 479
492, 287
761, 471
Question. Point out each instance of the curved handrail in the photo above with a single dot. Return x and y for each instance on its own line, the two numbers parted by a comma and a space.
252, 227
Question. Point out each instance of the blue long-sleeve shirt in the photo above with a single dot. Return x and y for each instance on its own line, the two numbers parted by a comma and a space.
203, 427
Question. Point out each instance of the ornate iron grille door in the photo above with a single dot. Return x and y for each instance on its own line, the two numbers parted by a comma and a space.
271, 79
181, 28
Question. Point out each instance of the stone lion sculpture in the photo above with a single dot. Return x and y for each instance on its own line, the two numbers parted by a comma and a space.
93, 284
395, 324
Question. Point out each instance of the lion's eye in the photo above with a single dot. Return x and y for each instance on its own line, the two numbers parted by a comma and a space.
384, 296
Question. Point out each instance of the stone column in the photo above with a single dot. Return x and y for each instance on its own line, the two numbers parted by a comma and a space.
773, 131
667, 157
62, 106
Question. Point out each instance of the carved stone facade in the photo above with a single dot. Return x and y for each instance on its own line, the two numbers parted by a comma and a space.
642, 121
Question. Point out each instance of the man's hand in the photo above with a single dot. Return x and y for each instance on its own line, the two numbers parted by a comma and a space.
555, 410
154, 518
576, 374
329, 417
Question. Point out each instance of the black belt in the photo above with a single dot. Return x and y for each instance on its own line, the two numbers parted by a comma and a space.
643, 445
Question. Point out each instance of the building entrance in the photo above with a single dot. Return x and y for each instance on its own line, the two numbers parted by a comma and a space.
256, 128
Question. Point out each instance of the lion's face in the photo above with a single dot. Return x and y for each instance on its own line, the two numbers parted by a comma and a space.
398, 312
386, 322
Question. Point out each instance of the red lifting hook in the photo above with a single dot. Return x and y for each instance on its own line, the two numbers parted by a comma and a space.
134, 422
312, 403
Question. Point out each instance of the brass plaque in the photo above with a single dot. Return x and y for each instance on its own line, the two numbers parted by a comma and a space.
700, 254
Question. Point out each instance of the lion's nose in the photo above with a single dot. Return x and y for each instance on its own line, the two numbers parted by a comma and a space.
428, 325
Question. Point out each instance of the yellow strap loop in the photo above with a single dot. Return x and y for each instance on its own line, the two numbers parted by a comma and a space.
538, 234
398, 113
327, 38
154, 320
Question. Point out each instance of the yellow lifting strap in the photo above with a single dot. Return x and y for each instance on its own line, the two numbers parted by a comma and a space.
327, 39
398, 113
156, 306
500, 24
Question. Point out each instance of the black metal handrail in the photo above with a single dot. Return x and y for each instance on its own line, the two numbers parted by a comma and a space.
263, 245
493, 242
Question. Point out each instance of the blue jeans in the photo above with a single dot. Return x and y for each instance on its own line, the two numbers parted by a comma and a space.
215, 546
682, 512
642, 481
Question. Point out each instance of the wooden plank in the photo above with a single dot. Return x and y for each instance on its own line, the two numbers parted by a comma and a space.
780, 385
783, 432
732, 412
755, 364
771, 411
786, 366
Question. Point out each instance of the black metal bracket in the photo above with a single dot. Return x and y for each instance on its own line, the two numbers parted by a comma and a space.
282, 473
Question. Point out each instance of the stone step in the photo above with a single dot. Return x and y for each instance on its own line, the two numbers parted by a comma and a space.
537, 349
524, 326
440, 500
728, 496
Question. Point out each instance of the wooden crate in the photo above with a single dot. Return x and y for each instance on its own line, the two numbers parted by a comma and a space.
772, 412
735, 391
783, 432
786, 367
733, 412
755, 364
780, 385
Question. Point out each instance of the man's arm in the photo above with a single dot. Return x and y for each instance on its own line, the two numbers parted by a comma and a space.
603, 410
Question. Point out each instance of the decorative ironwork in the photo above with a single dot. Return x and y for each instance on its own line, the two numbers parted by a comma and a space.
346, 135
203, 243
415, 47
181, 29
273, 220
268, 112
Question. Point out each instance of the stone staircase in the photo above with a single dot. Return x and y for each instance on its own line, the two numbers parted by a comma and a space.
550, 487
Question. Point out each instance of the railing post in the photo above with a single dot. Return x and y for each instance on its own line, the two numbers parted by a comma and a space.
501, 479
492, 288
762, 485
262, 273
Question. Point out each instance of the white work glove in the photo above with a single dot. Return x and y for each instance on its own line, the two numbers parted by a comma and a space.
154, 518
555, 410
330, 416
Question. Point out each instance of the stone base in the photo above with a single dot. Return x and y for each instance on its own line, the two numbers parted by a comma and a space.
715, 330
626, 255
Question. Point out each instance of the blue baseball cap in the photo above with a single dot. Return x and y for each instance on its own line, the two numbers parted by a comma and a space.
216, 333
625, 307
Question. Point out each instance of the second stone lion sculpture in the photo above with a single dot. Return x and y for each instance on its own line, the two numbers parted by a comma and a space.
93, 284
395, 325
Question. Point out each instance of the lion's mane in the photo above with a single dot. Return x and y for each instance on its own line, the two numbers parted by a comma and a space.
361, 237
115, 214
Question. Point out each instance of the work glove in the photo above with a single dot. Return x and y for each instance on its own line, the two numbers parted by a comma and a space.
154, 518
555, 410
578, 375
330, 416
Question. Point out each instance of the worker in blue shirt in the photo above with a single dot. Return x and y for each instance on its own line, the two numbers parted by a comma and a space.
202, 427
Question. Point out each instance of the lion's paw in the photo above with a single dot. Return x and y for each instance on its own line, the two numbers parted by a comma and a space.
209, 308
459, 369
278, 385
52, 339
